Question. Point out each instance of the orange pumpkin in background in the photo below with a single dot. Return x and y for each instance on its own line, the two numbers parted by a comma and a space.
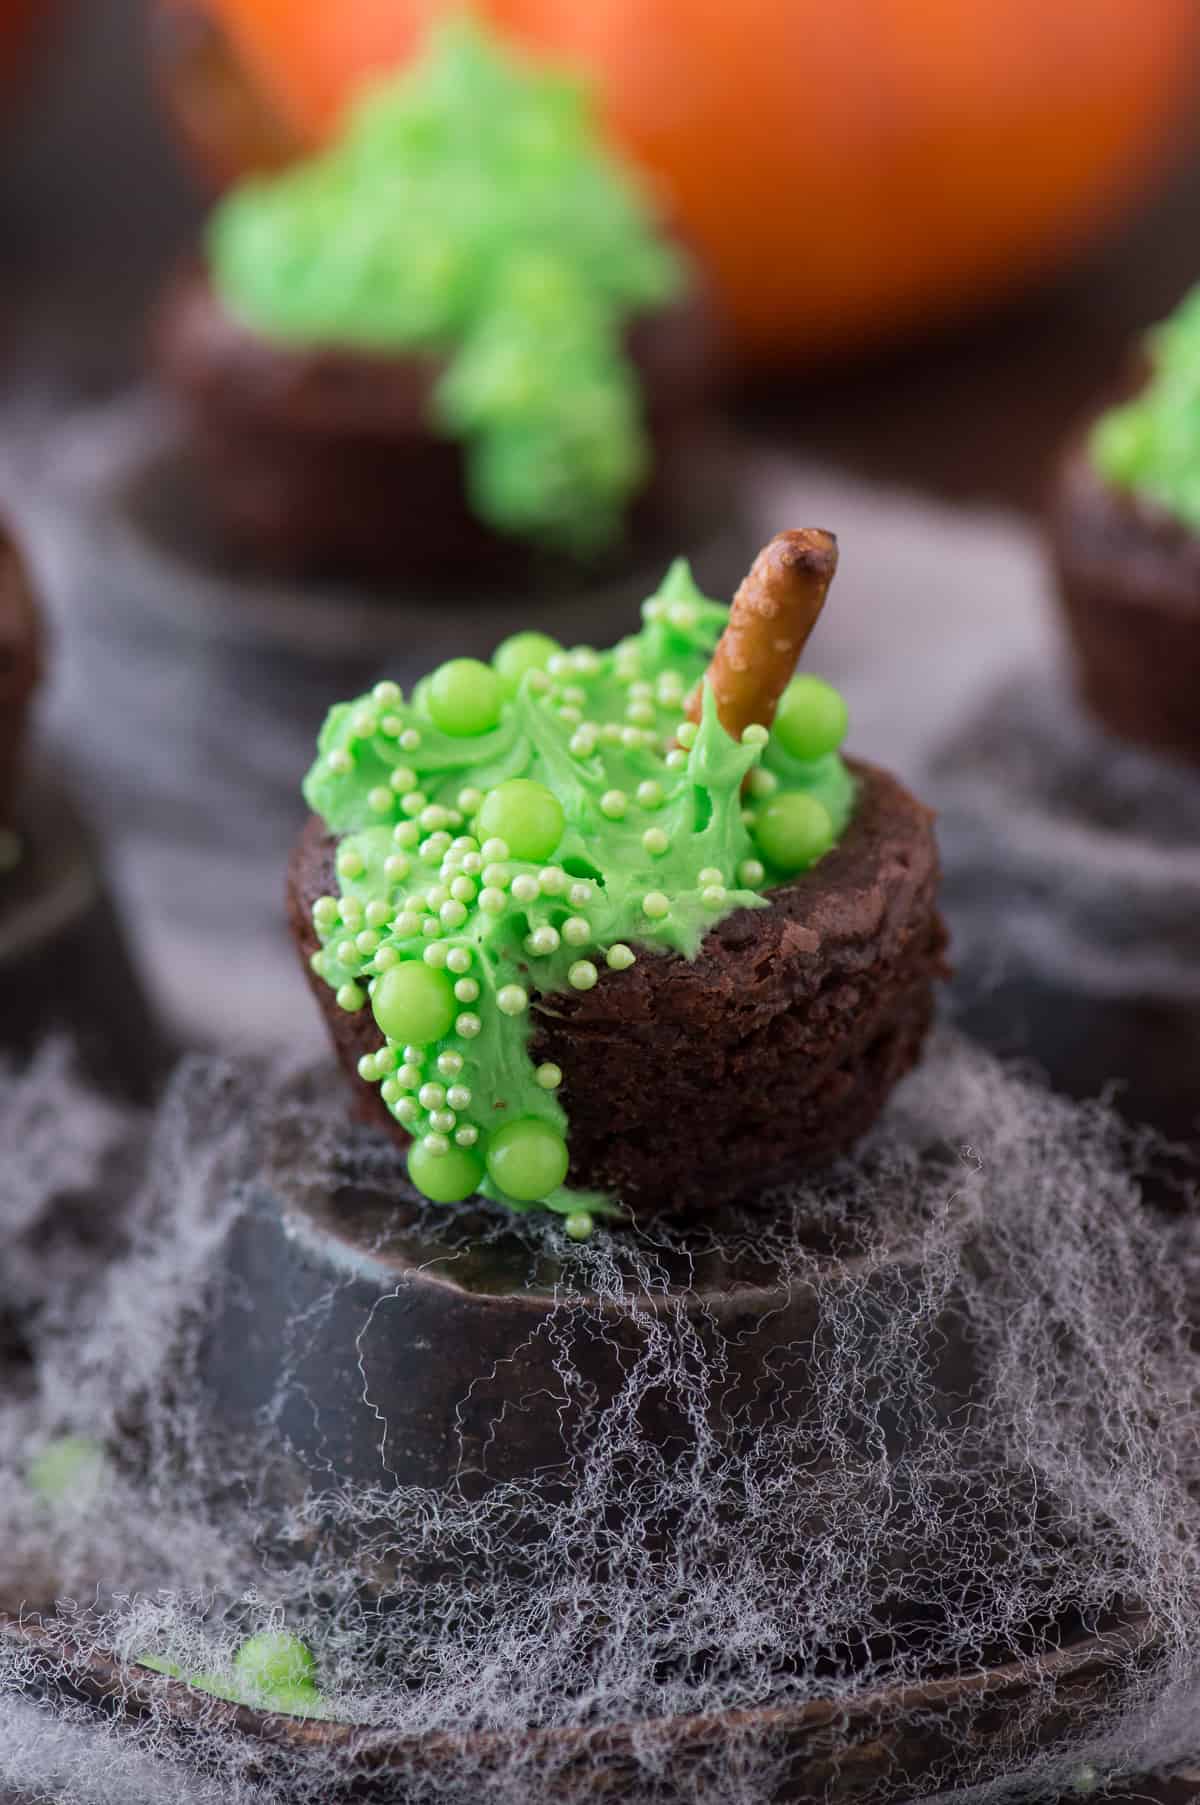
847, 168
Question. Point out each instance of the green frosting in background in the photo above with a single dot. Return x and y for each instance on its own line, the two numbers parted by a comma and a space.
515, 829
470, 211
1151, 444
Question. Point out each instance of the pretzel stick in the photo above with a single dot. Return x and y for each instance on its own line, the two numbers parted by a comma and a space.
774, 611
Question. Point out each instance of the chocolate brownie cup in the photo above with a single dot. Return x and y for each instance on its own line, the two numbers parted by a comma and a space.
20, 668
676, 953
1125, 537
1129, 583
453, 344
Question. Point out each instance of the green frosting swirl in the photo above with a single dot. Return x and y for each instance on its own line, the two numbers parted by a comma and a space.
518, 828
470, 211
1151, 444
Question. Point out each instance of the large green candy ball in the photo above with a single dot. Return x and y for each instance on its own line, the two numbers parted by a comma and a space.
525, 815
464, 697
445, 1177
527, 1159
414, 1003
276, 1662
793, 830
811, 719
520, 653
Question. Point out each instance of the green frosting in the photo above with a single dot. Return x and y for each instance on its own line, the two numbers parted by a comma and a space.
470, 211
519, 828
1151, 444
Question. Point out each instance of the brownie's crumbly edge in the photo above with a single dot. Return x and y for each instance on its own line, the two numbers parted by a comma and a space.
690, 1082
1129, 584
20, 666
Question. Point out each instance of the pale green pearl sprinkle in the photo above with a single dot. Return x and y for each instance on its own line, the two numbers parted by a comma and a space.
620, 957
750, 873
431, 1096
410, 1075
549, 1076
654, 609
436, 1144
450, 1063
316, 962
467, 842
710, 875
641, 690
676, 759
633, 737
472, 864
458, 959
410, 739
494, 849
435, 955
762, 783
755, 735
713, 896
586, 661
492, 901
414, 1055
431, 926
656, 841
571, 715
497, 876
580, 894
413, 803
466, 1136
452, 914
681, 614
435, 847
573, 694
686, 733
367, 1068
656, 905
583, 742
467, 1025
525, 888
346, 952
367, 942
576, 931
641, 714
386, 693
543, 941
406, 834
512, 999
385, 1059
366, 724
340, 762
669, 687
748, 817
352, 910
458, 1097
406, 924
610, 733
553, 880
377, 913
390, 1090
396, 867
578, 1225
403, 779
442, 1120
325, 911
392, 725
469, 799
582, 975
351, 998
380, 799
650, 794
350, 862
538, 681
466, 990
435, 818
406, 1111
436, 895
559, 664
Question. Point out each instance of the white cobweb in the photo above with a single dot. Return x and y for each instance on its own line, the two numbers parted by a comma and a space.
866, 1541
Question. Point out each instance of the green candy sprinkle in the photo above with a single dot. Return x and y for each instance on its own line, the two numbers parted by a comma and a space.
275, 1661
793, 831
517, 882
449, 1177
414, 1002
1150, 445
527, 1159
526, 816
811, 719
470, 211
579, 1225
464, 698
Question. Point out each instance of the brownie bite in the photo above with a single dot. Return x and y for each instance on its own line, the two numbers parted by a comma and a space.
20, 667
610, 932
